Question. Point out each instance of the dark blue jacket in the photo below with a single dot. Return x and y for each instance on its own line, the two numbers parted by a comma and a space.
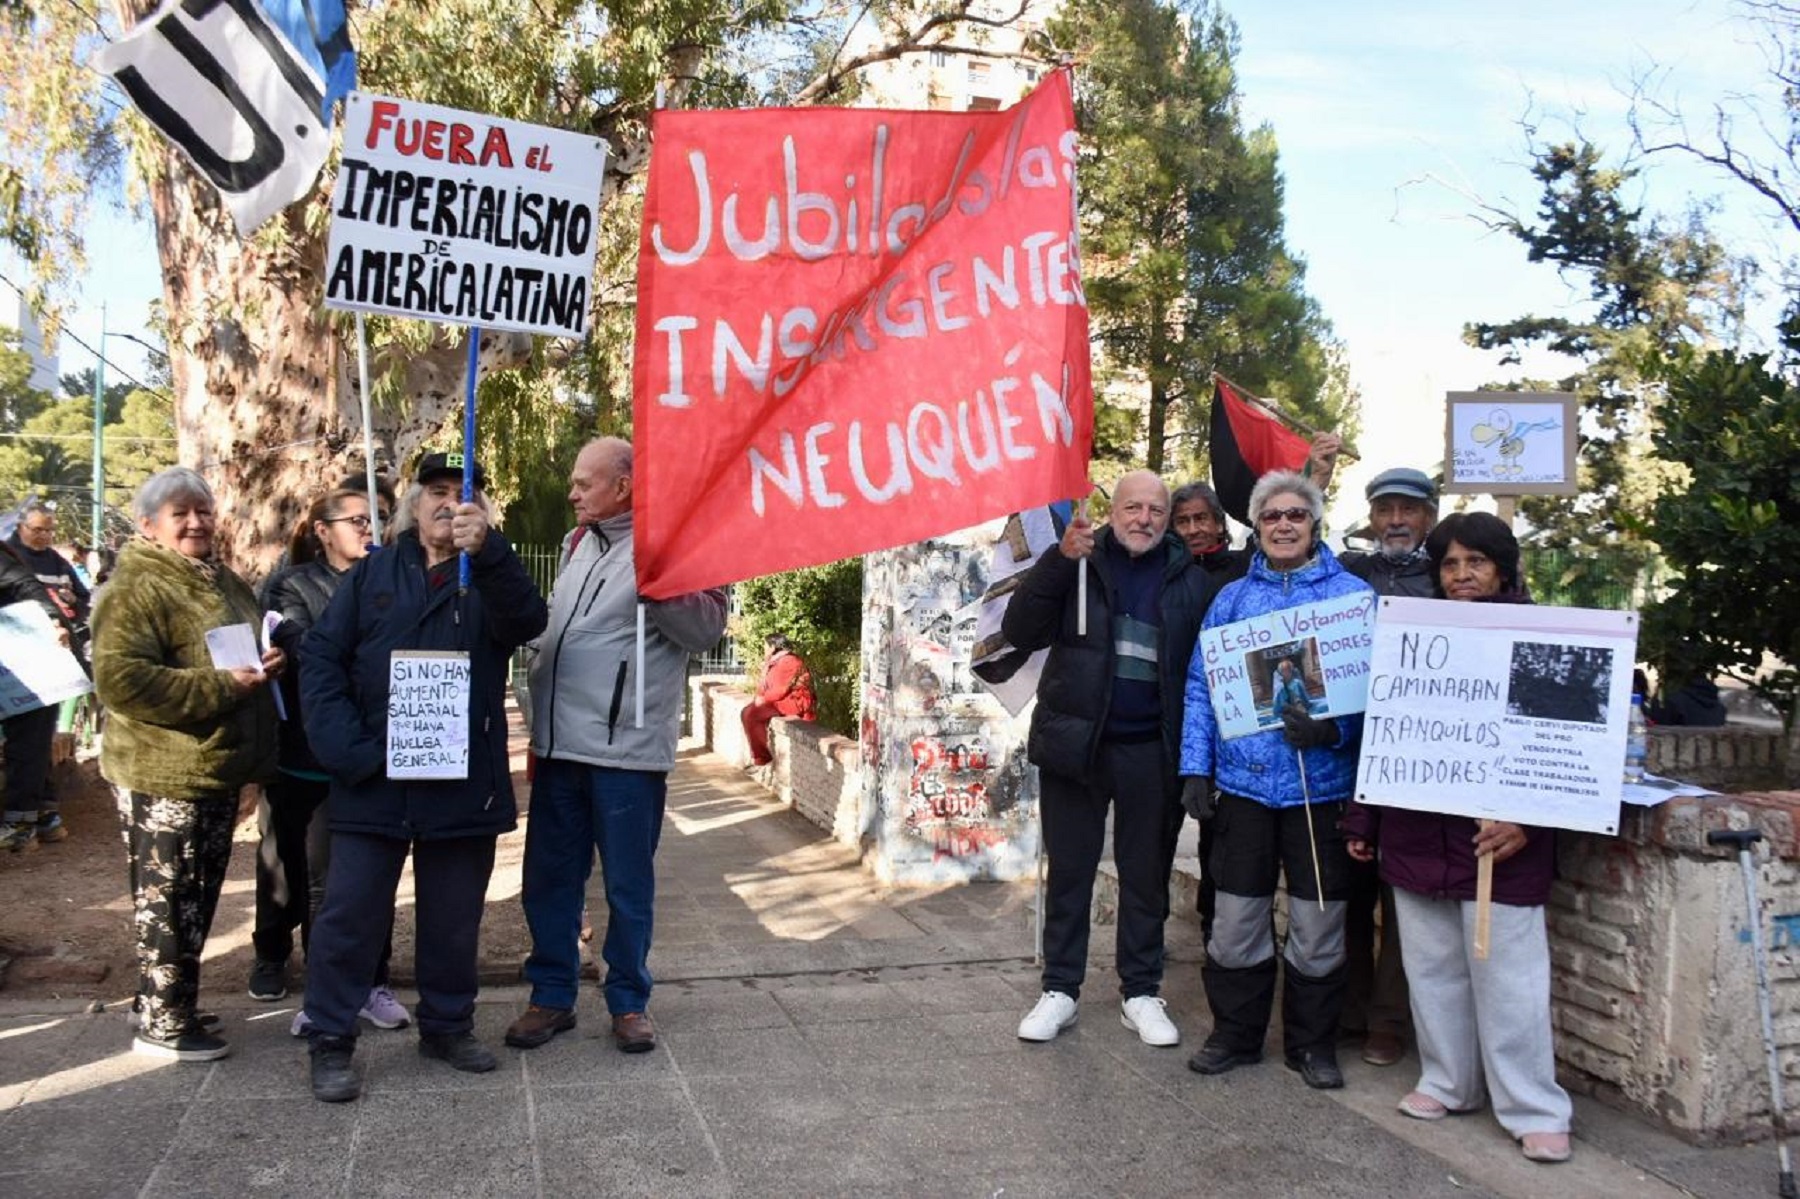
385, 604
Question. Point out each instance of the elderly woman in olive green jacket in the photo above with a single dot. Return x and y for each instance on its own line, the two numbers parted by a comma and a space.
183, 736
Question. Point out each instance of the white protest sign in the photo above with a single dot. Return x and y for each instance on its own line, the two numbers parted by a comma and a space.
1508, 712
428, 715
456, 216
35, 671
1315, 654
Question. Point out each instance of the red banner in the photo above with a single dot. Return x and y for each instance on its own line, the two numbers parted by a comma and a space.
856, 329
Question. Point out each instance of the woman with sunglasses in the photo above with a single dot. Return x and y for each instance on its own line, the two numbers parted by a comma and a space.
291, 859
1262, 827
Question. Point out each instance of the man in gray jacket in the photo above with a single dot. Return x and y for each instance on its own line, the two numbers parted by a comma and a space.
602, 773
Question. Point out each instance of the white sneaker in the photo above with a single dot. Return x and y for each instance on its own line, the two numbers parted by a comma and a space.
1148, 1017
1053, 1013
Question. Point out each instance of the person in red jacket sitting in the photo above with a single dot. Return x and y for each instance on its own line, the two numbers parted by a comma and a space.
786, 690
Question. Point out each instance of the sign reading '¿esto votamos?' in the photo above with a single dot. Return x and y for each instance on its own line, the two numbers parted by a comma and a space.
455, 216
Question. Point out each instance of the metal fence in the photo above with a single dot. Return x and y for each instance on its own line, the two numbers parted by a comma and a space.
540, 562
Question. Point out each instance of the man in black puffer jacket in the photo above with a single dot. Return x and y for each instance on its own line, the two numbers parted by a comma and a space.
1107, 730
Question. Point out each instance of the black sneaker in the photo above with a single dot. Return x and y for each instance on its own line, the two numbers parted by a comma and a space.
333, 1076
1220, 1057
1317, 1068
194, 1045
460, 1049
268, 981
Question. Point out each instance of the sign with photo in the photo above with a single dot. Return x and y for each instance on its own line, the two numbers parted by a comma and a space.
1506, 712
1315, 655
1510, 443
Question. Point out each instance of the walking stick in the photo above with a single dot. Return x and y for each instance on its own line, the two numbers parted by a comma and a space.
1312, 841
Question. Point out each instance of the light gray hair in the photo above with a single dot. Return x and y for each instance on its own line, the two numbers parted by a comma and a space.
406, 514
167, 487
1278, 481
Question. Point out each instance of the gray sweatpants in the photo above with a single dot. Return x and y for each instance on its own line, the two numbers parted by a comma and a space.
1478, 1020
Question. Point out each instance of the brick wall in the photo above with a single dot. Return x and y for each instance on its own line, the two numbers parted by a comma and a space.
816, 772
1733, 758
1652, 975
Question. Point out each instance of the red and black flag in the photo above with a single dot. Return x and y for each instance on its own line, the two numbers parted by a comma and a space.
1248, 443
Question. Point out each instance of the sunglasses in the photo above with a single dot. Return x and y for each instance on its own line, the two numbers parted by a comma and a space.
1293, 516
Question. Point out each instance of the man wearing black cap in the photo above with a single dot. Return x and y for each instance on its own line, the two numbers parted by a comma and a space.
1402, 510
399, 613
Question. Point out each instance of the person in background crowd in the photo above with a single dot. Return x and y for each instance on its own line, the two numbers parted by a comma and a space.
1696, 705
182, 739
786, 690
1483, 1025
602, 764
1199, 520
408, 597
30, 816
1104, 734
34, 539
1402, 511
1263, 826
295, 844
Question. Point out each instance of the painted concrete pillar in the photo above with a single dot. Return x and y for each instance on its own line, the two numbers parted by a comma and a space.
947, 793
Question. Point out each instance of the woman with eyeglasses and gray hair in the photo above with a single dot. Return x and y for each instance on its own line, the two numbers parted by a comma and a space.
295, 847
183, 736
1262, 827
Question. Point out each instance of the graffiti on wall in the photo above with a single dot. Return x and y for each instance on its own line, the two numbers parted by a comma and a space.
947, 792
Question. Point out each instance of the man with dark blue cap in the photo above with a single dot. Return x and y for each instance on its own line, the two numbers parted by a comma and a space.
1402, 510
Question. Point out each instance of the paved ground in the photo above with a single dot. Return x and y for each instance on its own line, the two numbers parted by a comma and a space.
821, 1036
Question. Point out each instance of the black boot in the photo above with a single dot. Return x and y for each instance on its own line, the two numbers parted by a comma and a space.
333, 1077
1310, 1008
1241, 999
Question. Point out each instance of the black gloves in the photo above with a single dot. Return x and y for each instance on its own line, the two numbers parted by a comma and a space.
1303, 732
1197, 796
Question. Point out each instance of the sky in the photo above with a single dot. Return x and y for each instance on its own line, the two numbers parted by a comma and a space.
1397, 123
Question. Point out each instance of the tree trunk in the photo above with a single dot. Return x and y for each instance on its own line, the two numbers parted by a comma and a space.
267, 404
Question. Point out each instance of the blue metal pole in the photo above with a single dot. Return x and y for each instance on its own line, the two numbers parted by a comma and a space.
468, 487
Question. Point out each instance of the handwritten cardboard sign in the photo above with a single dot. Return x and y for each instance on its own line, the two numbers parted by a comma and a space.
1510, 443
856, 329
35, 671
457, 216
1316, 655
1508, 712
428, 715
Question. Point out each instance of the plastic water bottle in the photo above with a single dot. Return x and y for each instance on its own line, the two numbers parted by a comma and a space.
1637, 740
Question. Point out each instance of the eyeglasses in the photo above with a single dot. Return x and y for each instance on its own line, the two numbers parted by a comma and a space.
359, 521
1273, 516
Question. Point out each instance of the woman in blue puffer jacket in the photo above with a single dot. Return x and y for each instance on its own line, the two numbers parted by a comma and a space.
1261, 826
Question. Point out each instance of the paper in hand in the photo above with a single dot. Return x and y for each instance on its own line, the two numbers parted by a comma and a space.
269, 622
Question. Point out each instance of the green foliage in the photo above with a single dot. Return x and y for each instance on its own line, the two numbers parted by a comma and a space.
1657, 286
1732, 532
1184, 259
820, 610
19, 401
54, 456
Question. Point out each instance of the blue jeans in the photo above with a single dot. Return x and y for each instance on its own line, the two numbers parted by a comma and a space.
575, 806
